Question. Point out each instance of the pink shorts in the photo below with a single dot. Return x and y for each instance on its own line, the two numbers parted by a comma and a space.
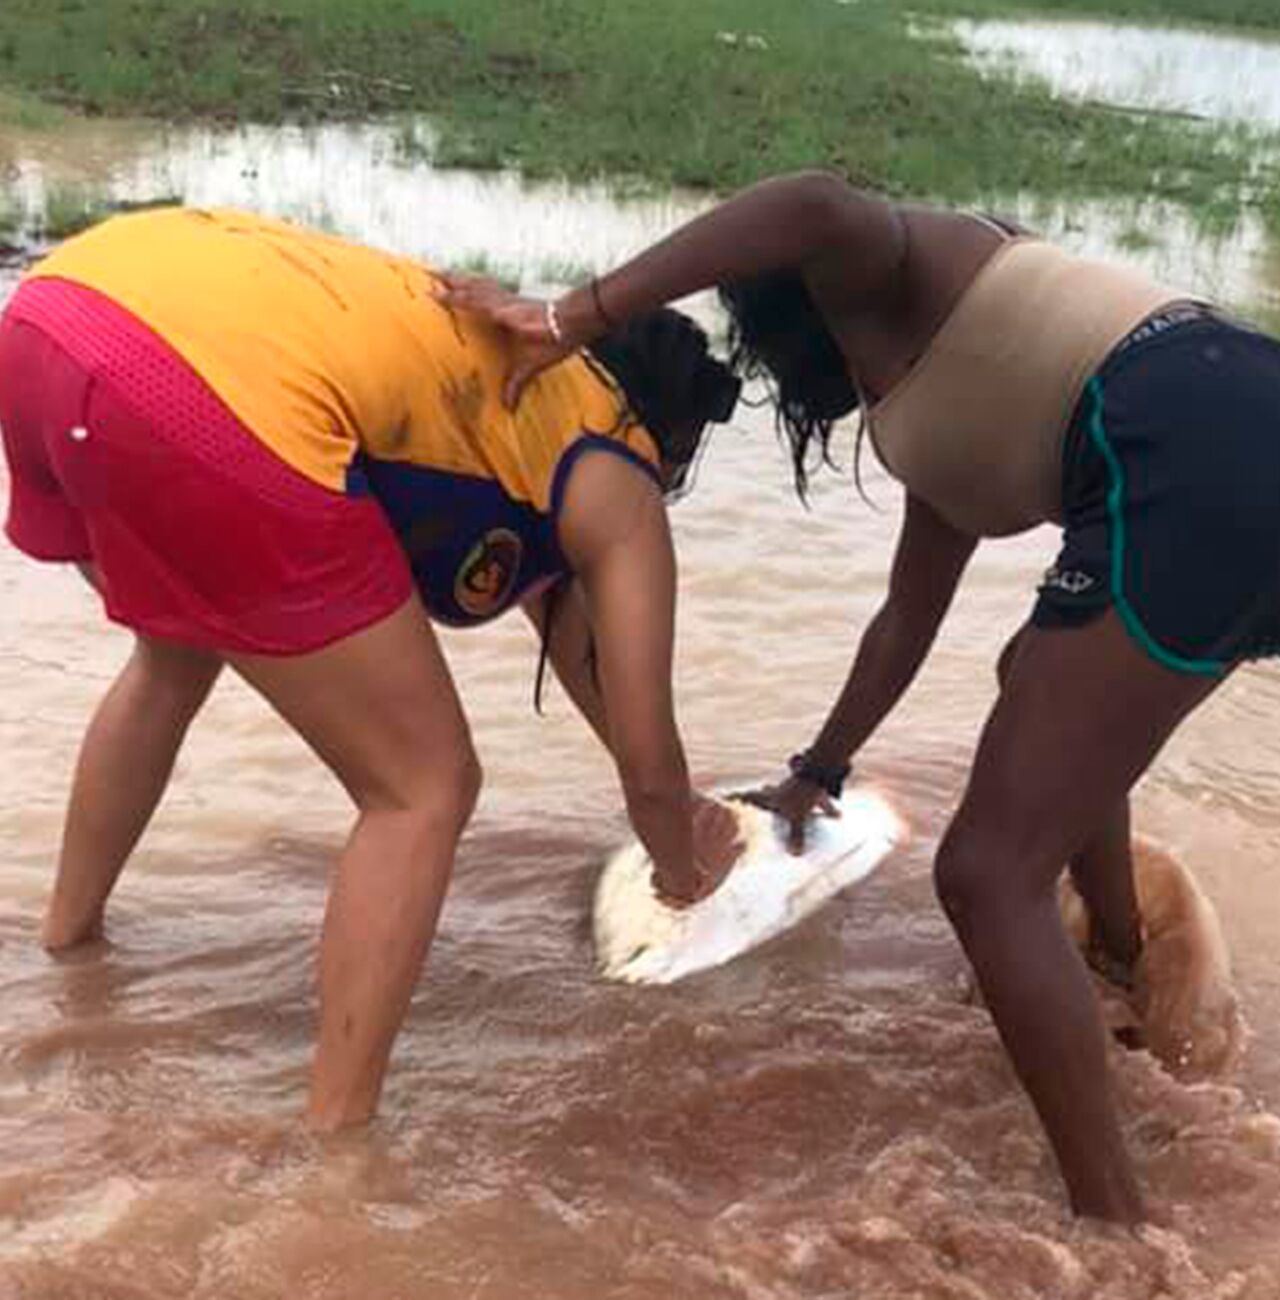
121, 455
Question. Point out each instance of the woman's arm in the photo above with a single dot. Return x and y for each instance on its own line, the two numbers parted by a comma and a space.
573, 655
808, 220
571, 652
930, 558
845, 242
613, 531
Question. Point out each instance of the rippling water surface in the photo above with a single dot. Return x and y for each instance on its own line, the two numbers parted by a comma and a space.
828, 1117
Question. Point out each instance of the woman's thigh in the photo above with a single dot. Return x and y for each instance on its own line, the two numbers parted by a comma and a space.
1082, 713
379, 707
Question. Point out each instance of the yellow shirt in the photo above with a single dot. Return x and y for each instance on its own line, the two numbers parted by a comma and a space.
324, 348
340, 360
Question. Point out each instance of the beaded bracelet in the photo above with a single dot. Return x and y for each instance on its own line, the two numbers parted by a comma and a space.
829, 779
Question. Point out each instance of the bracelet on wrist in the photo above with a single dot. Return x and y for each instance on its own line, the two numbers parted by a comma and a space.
606, 321
552, 318
828, 779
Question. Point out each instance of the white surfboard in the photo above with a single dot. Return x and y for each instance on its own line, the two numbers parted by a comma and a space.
643, 941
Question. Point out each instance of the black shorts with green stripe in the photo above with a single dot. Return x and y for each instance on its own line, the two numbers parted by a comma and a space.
1171, 495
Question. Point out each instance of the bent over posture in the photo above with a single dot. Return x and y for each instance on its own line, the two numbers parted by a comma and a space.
1006, 384
276, 449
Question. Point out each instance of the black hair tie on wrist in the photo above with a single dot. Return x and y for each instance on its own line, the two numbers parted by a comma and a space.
605, 319
829, 779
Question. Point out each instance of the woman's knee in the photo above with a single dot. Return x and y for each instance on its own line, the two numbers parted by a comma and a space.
452, 794
441, 790
465, 781
978, 872
180, 677
962, 876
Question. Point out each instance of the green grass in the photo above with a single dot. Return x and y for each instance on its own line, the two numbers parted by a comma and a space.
1134, 240
582, 88
483, 264
10, 224
563, 270
1254, 15
548, 271
69, 209
27, 112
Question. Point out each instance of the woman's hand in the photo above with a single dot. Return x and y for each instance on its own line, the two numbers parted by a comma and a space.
717, 845
526, 322
794, 800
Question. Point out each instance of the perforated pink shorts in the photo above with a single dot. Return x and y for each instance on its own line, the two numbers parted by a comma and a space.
120, 454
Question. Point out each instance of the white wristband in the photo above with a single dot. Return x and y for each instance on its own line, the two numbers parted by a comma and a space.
553, 321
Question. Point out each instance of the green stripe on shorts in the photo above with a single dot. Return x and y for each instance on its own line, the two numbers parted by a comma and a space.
1115, 512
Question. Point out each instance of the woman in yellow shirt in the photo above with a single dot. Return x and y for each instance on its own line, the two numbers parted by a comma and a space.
278, 450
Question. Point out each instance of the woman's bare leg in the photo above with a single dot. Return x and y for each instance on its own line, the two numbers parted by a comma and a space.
380, 709
1102, 872
1082, 713
124, 765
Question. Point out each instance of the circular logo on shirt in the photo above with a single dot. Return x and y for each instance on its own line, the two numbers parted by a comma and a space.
488, 574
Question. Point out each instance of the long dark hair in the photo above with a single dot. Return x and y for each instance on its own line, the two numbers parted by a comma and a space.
674, 387
777, 333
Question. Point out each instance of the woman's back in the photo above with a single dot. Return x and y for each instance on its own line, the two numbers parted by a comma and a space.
329, 350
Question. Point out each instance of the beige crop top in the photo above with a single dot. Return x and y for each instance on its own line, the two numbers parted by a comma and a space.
976, 426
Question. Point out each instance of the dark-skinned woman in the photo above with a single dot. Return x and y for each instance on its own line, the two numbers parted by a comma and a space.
1006, 384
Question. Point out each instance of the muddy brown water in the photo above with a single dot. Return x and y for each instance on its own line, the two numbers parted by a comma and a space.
827, 1117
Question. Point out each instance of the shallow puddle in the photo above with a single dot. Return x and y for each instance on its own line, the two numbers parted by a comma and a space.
373, 182
1206, 74
827, 1117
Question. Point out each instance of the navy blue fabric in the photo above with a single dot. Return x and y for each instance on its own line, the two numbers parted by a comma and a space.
457, 529
474, 551
1191, 416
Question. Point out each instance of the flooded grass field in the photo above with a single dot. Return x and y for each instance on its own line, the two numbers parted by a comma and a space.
830, 1116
